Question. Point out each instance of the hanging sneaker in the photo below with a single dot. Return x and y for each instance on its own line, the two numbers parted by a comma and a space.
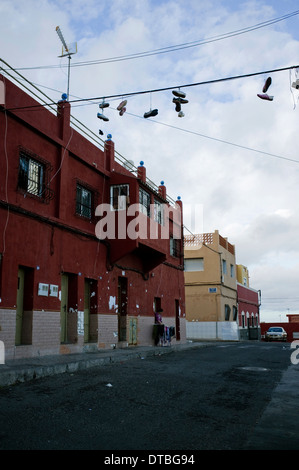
267, 84
179, 93
152, 112
265, 97
180, 100
101, 132
104, 105
178, 107
101, 116
121, 105
122, 111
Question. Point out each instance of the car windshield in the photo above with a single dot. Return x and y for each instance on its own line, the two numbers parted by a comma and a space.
277, 330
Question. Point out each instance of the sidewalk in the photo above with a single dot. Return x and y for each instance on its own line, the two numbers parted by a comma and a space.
22, 370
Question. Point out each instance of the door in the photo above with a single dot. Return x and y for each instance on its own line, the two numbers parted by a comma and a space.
86, 309
133, 331
64, 308
20, 306
122, 308
177, 320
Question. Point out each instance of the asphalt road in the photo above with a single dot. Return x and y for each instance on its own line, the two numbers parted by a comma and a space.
210, 398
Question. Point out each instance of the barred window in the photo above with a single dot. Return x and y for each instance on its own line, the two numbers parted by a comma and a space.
83, 202
158, 212
119, 196
31, 175
175, 247
144, 202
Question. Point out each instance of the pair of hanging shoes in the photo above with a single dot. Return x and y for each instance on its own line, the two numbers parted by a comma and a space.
179, 100
264, 95
122, 107
102, 106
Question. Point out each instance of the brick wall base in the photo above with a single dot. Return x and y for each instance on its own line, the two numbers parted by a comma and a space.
42, 333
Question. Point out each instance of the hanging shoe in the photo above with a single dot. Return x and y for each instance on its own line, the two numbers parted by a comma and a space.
265, 97
104, 105
122, 111
179, 93
178, 107
101, 116
121, 105
101, 132
180, 100
152, 112
267, 84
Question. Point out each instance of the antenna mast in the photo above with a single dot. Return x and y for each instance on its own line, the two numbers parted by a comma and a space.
67, 51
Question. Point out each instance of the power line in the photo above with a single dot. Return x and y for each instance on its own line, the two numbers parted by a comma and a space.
188, 85
174, 48
176, 127
226, 142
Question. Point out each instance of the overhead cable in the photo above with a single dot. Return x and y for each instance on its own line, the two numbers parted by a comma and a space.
188, 85
168, 49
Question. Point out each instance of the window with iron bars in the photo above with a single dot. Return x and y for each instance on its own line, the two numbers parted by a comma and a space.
83, 202
31, 175
175, 245
144, 202
158, 212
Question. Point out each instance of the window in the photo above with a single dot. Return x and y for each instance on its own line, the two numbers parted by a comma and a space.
83, 202
119, 197
175, 247
235, 313
144, 202
224, 268
232, 270
158, 212
31, 175
227, 312
195, 264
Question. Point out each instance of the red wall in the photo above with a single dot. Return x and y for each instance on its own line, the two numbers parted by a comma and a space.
290, 328
49, 237
248, 301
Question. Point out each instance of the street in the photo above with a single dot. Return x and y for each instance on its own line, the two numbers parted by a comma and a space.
201, 399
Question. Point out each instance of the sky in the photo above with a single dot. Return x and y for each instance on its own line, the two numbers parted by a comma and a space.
233, 157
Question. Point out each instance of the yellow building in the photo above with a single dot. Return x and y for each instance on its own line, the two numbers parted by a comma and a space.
242, 275
210, 284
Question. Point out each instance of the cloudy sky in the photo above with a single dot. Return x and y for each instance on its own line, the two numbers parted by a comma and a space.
233, 158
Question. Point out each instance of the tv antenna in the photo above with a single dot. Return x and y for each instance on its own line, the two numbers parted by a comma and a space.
67, 51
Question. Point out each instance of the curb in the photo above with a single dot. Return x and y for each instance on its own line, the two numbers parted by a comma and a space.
18, 373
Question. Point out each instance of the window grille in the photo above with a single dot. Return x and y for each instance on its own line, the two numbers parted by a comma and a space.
33, 176
119, 196
158, 212
144, 202
83, 202
175, 247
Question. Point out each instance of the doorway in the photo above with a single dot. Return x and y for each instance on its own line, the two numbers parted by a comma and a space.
122, 308
24, 306
64, 308
177, 320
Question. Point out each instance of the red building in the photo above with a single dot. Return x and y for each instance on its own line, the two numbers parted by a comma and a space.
248, 312
88, 249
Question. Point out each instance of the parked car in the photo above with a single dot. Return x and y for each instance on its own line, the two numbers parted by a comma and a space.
276, 333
